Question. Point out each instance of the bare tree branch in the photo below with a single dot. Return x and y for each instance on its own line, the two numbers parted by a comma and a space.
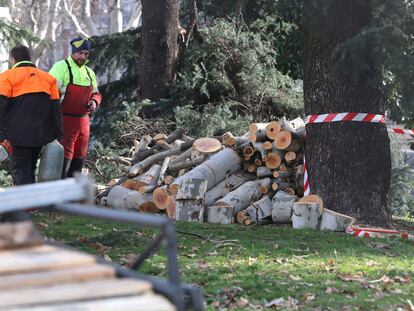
135, 19
74, 19
87, 18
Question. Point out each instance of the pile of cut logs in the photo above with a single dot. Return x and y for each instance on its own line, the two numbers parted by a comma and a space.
249, 179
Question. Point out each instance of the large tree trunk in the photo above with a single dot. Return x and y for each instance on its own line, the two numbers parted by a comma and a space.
159, 48
349, 162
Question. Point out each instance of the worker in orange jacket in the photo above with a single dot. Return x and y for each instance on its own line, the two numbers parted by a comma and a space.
78, 86
30, 113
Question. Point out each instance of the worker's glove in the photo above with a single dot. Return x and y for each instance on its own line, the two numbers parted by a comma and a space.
92, 106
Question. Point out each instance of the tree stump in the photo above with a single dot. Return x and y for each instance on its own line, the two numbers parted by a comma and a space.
334, 221
305, 215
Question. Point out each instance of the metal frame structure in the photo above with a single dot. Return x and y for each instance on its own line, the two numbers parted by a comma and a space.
55, 196
183, 296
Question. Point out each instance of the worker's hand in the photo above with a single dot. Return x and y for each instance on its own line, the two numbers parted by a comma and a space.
92, 106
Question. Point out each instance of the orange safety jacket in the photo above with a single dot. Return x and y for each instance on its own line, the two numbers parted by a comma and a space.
30, 111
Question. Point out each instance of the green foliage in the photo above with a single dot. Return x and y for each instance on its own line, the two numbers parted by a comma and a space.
237, 66
317, 270
402, 182
114, 58
214, 120
98, 163
5, 178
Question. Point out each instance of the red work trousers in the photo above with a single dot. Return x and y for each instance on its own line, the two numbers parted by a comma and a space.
75, 136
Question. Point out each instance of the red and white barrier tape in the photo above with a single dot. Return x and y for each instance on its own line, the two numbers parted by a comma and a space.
345, 117
377, 233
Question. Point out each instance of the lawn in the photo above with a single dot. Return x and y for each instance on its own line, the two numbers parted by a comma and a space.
245, 268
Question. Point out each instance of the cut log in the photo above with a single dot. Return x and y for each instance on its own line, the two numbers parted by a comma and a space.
264, 184
248, 151
140, 166
150, 177
149, 207
313, 198
160, 136
282, 206
258, 162
132, 184
252, 168
215, 169
143, 144
272, 130
224, 210
192, 189
229, 184
281, 174
267, 145
334, 221
290, 156
178, 133
305, 215
260, 209
290, 190
254, 127
263, 171
273, 160
183, 156
163, 169
189, 210
164, 145
286, 140
207, 145
258, 147
147, 189
178, 143
258, 136
168, 180
230, 140
297, 123
160, 196
186, 164
123, 198
243, 218
171, 206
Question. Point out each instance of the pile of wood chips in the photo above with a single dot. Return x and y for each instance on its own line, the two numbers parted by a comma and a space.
251, 179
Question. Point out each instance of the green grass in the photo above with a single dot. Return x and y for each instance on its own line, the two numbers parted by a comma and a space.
242, 268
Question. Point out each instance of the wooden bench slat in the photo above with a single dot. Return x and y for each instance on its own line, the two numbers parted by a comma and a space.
66, 275
39, 258
70, 293
146, 302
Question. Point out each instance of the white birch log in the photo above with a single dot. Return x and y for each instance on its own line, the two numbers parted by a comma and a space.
189, 210
123, 198
264, 184
260, 209
305, 215
143, 143
150, 177
140, 166
215, 169
224, 210
263, 171
229, 184
192, 189
183, 156
282, 205
163, 169
334, 221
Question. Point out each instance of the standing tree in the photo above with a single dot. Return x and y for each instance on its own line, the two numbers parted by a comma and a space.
349, 162
159, 48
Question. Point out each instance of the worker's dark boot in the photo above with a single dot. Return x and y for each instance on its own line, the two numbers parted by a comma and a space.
76, 166
66, 167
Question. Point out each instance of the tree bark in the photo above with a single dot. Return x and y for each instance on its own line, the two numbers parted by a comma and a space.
159, 49
349, 162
